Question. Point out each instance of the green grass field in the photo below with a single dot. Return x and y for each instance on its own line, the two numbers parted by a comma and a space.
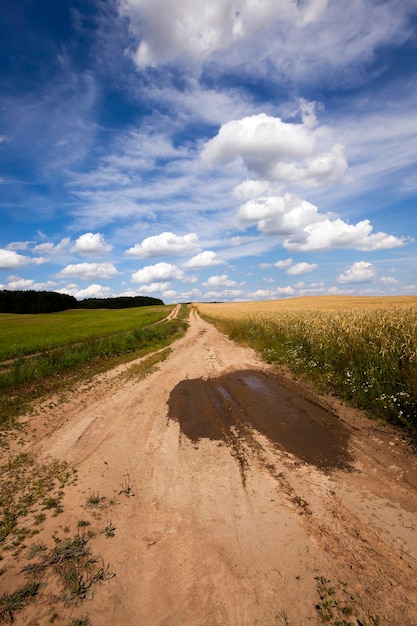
27, 334
40, 353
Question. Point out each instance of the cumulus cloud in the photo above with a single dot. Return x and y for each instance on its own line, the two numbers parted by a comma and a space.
284, 264
330, 233
158, 272
219, 281
359, 272
52, 249
91, 244
21, 283
88, 271
305, 229
207, 258
93, 291
166, 244
260, 141
301, 268
159, 287
9, 259
250, 189
278, 151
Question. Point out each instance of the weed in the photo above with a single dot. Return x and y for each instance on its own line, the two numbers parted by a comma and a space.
76, 568
95, 500
36, 549
24, 486
336, 604
82, 523
283, 615
108, 531
126, 486
80, 621
16, 601
50, 503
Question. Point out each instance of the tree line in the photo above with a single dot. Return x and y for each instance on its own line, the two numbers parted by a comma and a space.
51, 302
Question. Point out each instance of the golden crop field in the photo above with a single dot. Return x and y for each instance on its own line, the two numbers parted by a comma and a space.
362, 348
329, 303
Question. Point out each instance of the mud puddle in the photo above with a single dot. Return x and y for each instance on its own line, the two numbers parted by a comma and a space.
234, 405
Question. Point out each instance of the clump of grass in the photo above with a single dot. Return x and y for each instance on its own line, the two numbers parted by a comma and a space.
36, 549
10, 603
95, 500
109, 529
140, 370
25, 487
80, 621
338, 607
126, 486
366, 356
77, 570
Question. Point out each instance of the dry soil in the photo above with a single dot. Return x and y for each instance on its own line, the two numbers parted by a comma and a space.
237, 497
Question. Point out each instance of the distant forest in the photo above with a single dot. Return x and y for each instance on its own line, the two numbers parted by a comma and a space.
51, 302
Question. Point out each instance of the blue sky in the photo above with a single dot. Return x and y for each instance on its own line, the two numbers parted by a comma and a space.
209, 150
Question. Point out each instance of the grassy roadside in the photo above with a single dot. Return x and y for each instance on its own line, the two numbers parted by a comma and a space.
50, 564
22, 335
30, 377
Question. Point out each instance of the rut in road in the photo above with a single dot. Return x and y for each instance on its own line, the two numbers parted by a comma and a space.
235, 498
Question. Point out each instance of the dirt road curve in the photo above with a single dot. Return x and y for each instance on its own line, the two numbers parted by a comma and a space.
235, 499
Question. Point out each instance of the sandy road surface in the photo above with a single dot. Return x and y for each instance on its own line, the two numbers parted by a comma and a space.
225, 511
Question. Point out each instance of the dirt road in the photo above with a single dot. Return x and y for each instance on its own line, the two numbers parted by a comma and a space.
234, 499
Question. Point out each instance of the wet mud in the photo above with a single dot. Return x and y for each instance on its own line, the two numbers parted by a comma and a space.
235, 405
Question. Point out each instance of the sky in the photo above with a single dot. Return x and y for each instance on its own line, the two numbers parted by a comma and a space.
208, 150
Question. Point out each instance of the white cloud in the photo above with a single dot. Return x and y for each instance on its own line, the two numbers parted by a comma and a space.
305, 229
50, 248
250, 189
21, 283
166, 244
190, 30
261, 141
9, 259
224, 294
93, 291
17, 283
208, 258
277, 151
359, 272
154, 288
158, 272
305, 39
329, 234
284, 264
301, 268
88, 271
18, 245
219, 281
388, 280
91, 244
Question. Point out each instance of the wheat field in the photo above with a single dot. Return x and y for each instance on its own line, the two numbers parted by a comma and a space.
362, 348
